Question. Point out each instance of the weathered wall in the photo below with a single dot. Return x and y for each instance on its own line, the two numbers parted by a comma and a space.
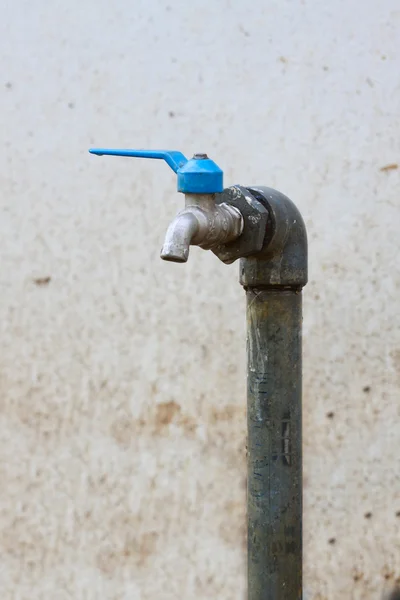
122, 378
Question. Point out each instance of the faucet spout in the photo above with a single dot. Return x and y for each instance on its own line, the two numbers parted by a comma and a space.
201, 223
179, 236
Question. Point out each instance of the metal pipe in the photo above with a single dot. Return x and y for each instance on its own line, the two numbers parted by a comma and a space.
273, 282
274, 454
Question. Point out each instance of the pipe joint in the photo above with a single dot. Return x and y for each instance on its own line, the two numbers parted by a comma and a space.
282, 261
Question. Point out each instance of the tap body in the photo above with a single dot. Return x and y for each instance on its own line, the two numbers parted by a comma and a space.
202, 223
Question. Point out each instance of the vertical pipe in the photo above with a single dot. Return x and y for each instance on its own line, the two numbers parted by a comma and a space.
274, 323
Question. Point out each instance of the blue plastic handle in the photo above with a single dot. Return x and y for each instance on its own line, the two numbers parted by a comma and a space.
173, 158
199, 175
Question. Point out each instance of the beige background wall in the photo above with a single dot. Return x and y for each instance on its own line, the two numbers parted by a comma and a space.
122, 420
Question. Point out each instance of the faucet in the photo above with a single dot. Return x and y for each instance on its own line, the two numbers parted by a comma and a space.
264, 229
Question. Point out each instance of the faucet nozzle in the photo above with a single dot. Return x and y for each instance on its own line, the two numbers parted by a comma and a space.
179, 236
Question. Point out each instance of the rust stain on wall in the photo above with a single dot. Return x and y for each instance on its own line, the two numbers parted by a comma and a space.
391, 167
165, 413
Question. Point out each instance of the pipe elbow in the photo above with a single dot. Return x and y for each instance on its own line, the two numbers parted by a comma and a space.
283, 260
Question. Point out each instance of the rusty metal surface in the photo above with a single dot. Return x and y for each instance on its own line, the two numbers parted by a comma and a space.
274, 445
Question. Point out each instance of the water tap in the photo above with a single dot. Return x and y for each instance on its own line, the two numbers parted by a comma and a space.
231, 222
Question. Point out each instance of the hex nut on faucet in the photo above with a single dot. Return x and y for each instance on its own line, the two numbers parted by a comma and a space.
255, 224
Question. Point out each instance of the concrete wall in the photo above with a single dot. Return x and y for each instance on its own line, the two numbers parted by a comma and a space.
122, 422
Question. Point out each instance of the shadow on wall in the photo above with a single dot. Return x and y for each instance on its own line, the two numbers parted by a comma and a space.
395, 595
